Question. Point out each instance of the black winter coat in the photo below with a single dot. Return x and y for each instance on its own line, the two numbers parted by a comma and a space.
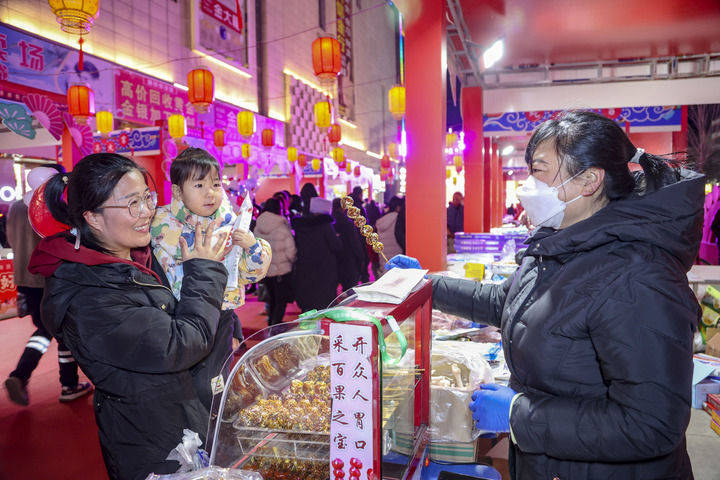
136, 343
315, 278
597, 327
352, 257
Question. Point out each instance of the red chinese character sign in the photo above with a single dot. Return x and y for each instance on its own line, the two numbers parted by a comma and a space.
352, 443
8, 291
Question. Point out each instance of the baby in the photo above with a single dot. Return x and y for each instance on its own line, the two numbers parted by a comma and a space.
198, 198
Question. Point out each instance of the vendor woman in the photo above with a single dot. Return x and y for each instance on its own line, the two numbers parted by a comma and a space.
597, 322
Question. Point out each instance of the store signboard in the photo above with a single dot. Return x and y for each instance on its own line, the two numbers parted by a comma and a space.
225, 118
643, 119
38, 63
144, 100
346, 90
351, 389
140, 141
218, 29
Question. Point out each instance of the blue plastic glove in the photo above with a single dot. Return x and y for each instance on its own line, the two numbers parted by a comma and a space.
402, 261
490, 407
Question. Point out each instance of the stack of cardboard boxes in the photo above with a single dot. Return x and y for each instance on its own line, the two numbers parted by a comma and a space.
712, 407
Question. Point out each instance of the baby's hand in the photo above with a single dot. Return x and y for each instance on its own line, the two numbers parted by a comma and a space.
243, 239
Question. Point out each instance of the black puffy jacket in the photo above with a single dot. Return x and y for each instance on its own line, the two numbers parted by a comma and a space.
597, 328
136, 343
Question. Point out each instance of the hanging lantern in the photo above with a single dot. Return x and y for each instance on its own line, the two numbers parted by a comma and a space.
302, 160
246, 123
201, 89
455, 180
326, 57
348, 168
315, 164
104, 121
76, 17
393, 150
356, 172
81, 102
384, 171
458, 161
451, 140
338, 155
385, 162
268, 138
335, 133
342, 165
448, 173
322, 114
458, 168
396, 102
292, 154
245, 150
176, 127
219, 138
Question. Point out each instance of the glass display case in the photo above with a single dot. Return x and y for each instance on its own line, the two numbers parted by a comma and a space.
339, 394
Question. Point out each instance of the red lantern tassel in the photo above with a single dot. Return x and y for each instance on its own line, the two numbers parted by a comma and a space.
80, 58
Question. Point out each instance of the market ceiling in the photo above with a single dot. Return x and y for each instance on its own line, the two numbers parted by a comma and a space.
538, 32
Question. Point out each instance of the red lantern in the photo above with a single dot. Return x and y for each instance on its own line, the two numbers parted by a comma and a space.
335, 133
40, 217
356, 172
201, 89
81, 102
326, 57
268, 138
219, 138
342, 165
302, 160
385, 162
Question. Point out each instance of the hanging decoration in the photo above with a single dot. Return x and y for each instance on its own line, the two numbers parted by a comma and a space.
292, 154
302, 160
315, 164
104, 122
356, 171
81, 102
245, 150
451, 140
246, 123
177, 127
322, 114
458, 161
219, 138
393, 150
81, 134
76, 17
16, 118
348, 167
342, 165
326, 58
46, 112
268, 138
201, 89
448, 173
338, 155
335, 133
385, 162
396, 102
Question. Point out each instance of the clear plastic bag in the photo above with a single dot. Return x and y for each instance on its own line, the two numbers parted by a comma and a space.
209, 473
188, 452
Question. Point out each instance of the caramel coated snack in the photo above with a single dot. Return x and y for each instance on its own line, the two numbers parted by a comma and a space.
266, 370
286, 358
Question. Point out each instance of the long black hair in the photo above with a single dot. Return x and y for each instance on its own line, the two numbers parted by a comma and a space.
585, 139
89, 185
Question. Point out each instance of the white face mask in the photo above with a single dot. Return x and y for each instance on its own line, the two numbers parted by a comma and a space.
542, 203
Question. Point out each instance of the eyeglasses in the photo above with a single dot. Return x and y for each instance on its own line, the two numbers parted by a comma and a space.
136, 205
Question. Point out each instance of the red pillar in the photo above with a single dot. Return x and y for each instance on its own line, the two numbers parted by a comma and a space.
496, 171
70, 152
425, 70
487, 181
679, 139
472, 116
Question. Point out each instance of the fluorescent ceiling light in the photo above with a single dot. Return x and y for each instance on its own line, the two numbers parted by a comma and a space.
181, 87
493, 54
508, 150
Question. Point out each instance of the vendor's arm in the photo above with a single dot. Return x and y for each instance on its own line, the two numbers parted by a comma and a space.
144, 338
642, 332
481, 303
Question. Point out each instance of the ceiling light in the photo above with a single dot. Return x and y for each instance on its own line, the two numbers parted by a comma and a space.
493, 54
508, 150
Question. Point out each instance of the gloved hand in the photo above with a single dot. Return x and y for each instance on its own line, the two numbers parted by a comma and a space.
490, 407
402, 261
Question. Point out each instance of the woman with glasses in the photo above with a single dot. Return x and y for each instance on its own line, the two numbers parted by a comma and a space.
107, 298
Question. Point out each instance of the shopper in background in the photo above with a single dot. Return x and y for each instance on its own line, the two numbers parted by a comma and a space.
598, 321
386, 229
315, 278
357, 196
455, 214
275, 229
107, 298
400, 226
373, 213
23, 240
352, 257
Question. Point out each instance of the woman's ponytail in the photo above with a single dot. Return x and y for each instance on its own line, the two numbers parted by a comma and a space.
658, 172
54, 192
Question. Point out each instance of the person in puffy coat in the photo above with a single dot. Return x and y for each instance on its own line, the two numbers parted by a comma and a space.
351, 260
386, 229
274, 228
108, 299
597, 322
